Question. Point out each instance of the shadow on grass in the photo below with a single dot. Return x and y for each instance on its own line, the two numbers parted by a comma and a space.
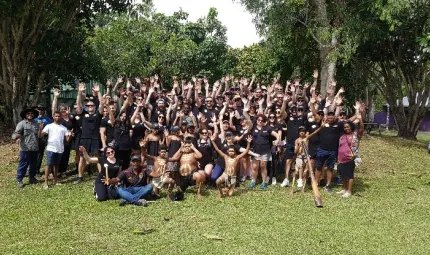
360, 186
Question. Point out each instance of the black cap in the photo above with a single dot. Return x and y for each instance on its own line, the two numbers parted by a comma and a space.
220, 96
302, 128
184, 123
342, 113
40, 107
135, 158
228, 133
155, 126
293, 106
190, 125
174, 129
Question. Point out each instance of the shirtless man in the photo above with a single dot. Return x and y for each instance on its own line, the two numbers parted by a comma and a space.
159, 175
188, 169
231, 161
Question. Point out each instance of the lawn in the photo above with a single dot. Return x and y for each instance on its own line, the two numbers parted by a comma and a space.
387, 214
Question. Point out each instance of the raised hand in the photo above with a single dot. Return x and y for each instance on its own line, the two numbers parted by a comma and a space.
156, 77
138, 80
341, 90
297, 82
261, 101
327, 103
82, 149
96, 87
315, 75
249, 139
306, 85
56, 92
313, 100
108, 83
213, 118
82, 87
338, 100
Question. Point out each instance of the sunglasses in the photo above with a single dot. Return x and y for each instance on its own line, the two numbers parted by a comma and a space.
300, 110
161, 117
271, 117
259, 119
280, 98
209, 101
89, 105
110, 152
204, 133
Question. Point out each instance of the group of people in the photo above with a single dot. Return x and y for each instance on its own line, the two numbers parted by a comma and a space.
145, 138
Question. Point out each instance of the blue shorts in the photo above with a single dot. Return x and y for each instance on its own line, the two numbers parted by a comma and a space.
53, 158
289, 150
328, 157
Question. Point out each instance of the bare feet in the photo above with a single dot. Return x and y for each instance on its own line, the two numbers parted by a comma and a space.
219, 197
230, 192
199, 196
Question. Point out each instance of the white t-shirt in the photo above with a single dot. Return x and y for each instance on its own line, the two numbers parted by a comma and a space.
56, 134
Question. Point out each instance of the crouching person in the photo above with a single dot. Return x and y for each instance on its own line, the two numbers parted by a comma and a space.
109, 168
134, 187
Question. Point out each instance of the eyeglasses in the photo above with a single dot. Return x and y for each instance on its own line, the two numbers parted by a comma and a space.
280, 98
161, 117
110, 152
259, 119
204, 133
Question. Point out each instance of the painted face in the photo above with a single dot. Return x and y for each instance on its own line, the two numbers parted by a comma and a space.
163, 153
231, 152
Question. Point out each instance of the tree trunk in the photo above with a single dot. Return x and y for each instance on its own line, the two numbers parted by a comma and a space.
407, 124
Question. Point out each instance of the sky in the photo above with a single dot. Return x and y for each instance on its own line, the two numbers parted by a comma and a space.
240, 29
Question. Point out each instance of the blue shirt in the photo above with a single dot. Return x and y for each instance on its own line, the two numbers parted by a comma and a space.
45, 120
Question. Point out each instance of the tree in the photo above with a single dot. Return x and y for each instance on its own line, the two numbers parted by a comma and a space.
304, 26
395, 51
24, 24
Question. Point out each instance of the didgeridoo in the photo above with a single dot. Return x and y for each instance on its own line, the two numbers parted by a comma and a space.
317, 198
107, 172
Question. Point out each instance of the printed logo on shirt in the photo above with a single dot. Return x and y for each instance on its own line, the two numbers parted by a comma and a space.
291, 118
327, 125
77, 118
335, 125
87, 115
314, 126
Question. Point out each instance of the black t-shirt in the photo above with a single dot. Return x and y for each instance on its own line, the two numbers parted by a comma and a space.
105, 123
67, 123
91, 125
311, 127
293, 124
113, 169
133, 178
329, 136
122, 136
261, 139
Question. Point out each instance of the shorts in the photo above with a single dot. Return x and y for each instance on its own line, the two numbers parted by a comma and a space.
327, 157
186, 181
91, 145
300, 162
312, 150
264, 157
159, 182
229, 180
172, 166
53, 158
289, 150
346, 170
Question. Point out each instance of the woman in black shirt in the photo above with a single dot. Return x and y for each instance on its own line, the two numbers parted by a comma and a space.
107, 165
122, 139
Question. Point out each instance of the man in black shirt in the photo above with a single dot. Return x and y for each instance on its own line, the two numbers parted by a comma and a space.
90, 136
134, 182
295, 120
327, 152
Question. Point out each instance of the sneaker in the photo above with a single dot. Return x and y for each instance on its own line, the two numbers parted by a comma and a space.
263, 186
267, 179
328, 189
341, 192
243, 179
252, 184
122, 202
299, 183
273, 181
33, 181
285, 183
20, 185
141, 202
346, 194
45, 186
78, 180
58, 184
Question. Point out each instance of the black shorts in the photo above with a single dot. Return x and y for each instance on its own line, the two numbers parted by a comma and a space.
346, 170
289, 150
312, 150
91, 145
186, 181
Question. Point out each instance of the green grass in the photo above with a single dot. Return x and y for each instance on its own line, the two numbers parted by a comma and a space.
388, 214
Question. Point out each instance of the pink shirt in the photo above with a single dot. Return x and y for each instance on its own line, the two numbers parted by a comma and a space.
344, 153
